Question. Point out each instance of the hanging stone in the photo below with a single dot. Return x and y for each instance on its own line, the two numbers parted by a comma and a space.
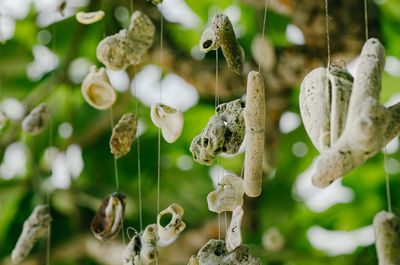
109, 218
36, 120
123, 135
175, 226
168, 119
149, 252
234, 233
387, 238
35, 226
228, 195
132, 250
129, 46
224, 133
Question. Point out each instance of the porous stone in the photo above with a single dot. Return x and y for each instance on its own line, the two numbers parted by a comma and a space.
387, 238
208, 41
228, 195
123, 135
224, 133
127, 47
35, 121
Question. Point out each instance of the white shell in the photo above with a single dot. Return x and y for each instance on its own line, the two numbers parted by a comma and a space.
89, 17
97, 90
132, 250
228, 195
234, 234
168, 119
175, 226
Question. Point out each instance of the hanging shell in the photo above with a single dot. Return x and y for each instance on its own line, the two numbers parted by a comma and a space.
35, 226
168, 119
224, 133
149, 252
123, 135
35, 121
387, 238
97, 90
324, 100
109, 218
234, 234
127, 47
89, 17
175, 226
132, 250
228, 195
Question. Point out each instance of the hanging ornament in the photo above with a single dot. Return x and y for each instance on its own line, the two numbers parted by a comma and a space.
228, 195
234, 233
35, 121
35, 226
149, 252
387, 238
123, 135
168, 119
224, 133
97, 89
254, 118
132, 250
127, 47
109, 218
221, 34
175, 226
89, 17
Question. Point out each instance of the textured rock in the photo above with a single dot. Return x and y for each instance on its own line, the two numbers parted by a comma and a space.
254, 117
387, 238
224, 133
175, 226
168, 119
234, 233
228, 195
34, 227
89, 17
123, 135
127, 47
36, 120
109, 218
208, 41
97, 90
214, 252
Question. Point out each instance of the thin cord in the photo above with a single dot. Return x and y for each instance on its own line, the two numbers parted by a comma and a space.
327, 32
389, 201
263, 32
366, 19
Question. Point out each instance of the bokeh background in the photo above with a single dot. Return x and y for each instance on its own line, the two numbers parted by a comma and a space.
45, 57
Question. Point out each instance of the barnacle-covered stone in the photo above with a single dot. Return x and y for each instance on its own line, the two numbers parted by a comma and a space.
97, 90
324, 100
109, 218
369, 125
89, 17
168, 119
226, 38
123, 135
224, 133
127, 47
36, 120
214, 252
254, 118
132, 250
175, 226
149, 252
208, 41
387, 238
34, 227
234, 233
228, 195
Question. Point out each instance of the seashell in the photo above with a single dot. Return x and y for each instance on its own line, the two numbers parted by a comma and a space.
214, 252
369, 125
97, 90
89, 17
224, 133
170, 121
193, 260
234, 234
175, 226
132, 250
127, 47
123, 135
387, 238
254, 118
208, 41
228, 195
35, 121
35, 226
3, 119
148, 253
231, 49
109, 218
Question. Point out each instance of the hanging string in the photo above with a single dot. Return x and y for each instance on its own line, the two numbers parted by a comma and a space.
389, 201
327, 33
263, 32
366, 19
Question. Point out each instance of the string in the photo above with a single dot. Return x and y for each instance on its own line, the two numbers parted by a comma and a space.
366, 19
389, 201
327, 33
263, 32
